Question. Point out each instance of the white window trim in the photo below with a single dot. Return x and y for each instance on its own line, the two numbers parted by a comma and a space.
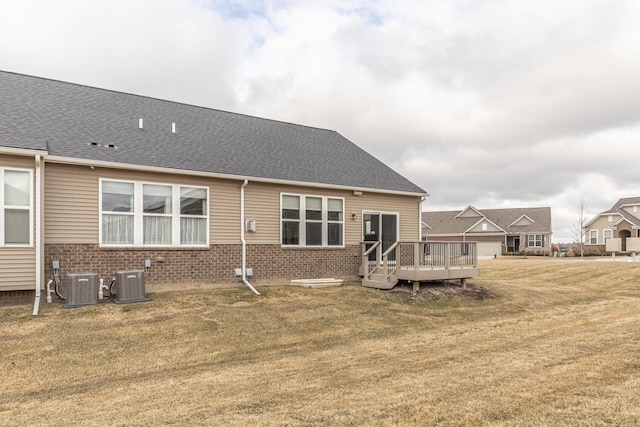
533, 238
138, 215
596, 235
302, 237
604, 234
2, 209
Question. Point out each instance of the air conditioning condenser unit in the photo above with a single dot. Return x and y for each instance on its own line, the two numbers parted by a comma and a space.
130, 285
82, 289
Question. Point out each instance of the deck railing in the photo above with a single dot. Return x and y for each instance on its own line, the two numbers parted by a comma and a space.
369, 264
418, 256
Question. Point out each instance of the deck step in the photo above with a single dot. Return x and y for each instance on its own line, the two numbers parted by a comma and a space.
379, 282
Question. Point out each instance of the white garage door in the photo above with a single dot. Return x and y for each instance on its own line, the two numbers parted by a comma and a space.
486, 249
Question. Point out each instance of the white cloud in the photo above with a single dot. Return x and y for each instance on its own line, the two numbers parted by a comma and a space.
495, 104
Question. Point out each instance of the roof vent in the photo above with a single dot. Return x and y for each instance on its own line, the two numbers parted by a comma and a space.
140, 124
173, 128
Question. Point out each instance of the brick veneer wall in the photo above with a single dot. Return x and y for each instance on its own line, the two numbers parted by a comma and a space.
8, 298
216, 264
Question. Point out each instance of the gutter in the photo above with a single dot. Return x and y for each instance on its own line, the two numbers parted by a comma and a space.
38, 208
244, 242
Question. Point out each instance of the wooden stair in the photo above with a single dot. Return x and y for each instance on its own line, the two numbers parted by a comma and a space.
378, 281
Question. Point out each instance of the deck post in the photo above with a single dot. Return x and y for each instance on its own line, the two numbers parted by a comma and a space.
475, 254
447, 256
416, 255
379, 258
416, 286
463, 282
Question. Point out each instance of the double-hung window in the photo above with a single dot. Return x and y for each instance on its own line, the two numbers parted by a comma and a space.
193, 215
535, 241
312, 220
607, 233
149, 214
593, 237
157, 213
16, 207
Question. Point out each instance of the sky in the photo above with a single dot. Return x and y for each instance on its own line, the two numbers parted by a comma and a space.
494, 104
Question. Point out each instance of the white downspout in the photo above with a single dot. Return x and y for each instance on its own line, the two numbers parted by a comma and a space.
244, 242
36, 303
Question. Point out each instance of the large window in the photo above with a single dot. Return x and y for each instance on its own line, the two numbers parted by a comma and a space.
593, 237
312, 220
139, 214
607, 233
16, 207
535, 240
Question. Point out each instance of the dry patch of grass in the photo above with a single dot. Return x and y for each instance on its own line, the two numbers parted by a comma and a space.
558, 344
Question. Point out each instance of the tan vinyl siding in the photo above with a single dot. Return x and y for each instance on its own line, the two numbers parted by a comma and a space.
72, 198
225, 212
408, 207
262, 203
600, 224
70, 204
17, 268
25, 162
629, 209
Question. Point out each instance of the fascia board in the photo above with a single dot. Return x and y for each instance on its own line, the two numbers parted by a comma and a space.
22, 151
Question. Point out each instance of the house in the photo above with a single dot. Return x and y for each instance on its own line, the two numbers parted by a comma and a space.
616, 229
497, 231
101, 181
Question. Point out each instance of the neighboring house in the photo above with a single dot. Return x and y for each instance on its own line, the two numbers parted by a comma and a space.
497, 231
101, 181
616, 229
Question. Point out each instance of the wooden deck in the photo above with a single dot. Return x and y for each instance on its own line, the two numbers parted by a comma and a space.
417, 262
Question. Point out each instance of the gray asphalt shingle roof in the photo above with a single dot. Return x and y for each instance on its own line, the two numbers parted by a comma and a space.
81, 122
445, 222
617, 209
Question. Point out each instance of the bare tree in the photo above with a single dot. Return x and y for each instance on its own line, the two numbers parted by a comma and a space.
579, 226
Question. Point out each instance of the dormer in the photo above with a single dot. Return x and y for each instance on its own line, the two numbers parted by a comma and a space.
469, 212
484, 226
523, 221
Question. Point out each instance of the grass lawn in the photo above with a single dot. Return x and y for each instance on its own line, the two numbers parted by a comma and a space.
559, 344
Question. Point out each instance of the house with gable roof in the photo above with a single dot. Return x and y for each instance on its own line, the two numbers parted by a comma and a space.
497, 231
99, 180
616, 229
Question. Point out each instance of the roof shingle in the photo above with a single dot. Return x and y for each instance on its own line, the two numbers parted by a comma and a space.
446, 223
81, 122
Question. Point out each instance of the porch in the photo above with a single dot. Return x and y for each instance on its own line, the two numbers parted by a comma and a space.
417, 262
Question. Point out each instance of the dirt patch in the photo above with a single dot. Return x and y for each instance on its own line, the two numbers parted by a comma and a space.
432, 291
